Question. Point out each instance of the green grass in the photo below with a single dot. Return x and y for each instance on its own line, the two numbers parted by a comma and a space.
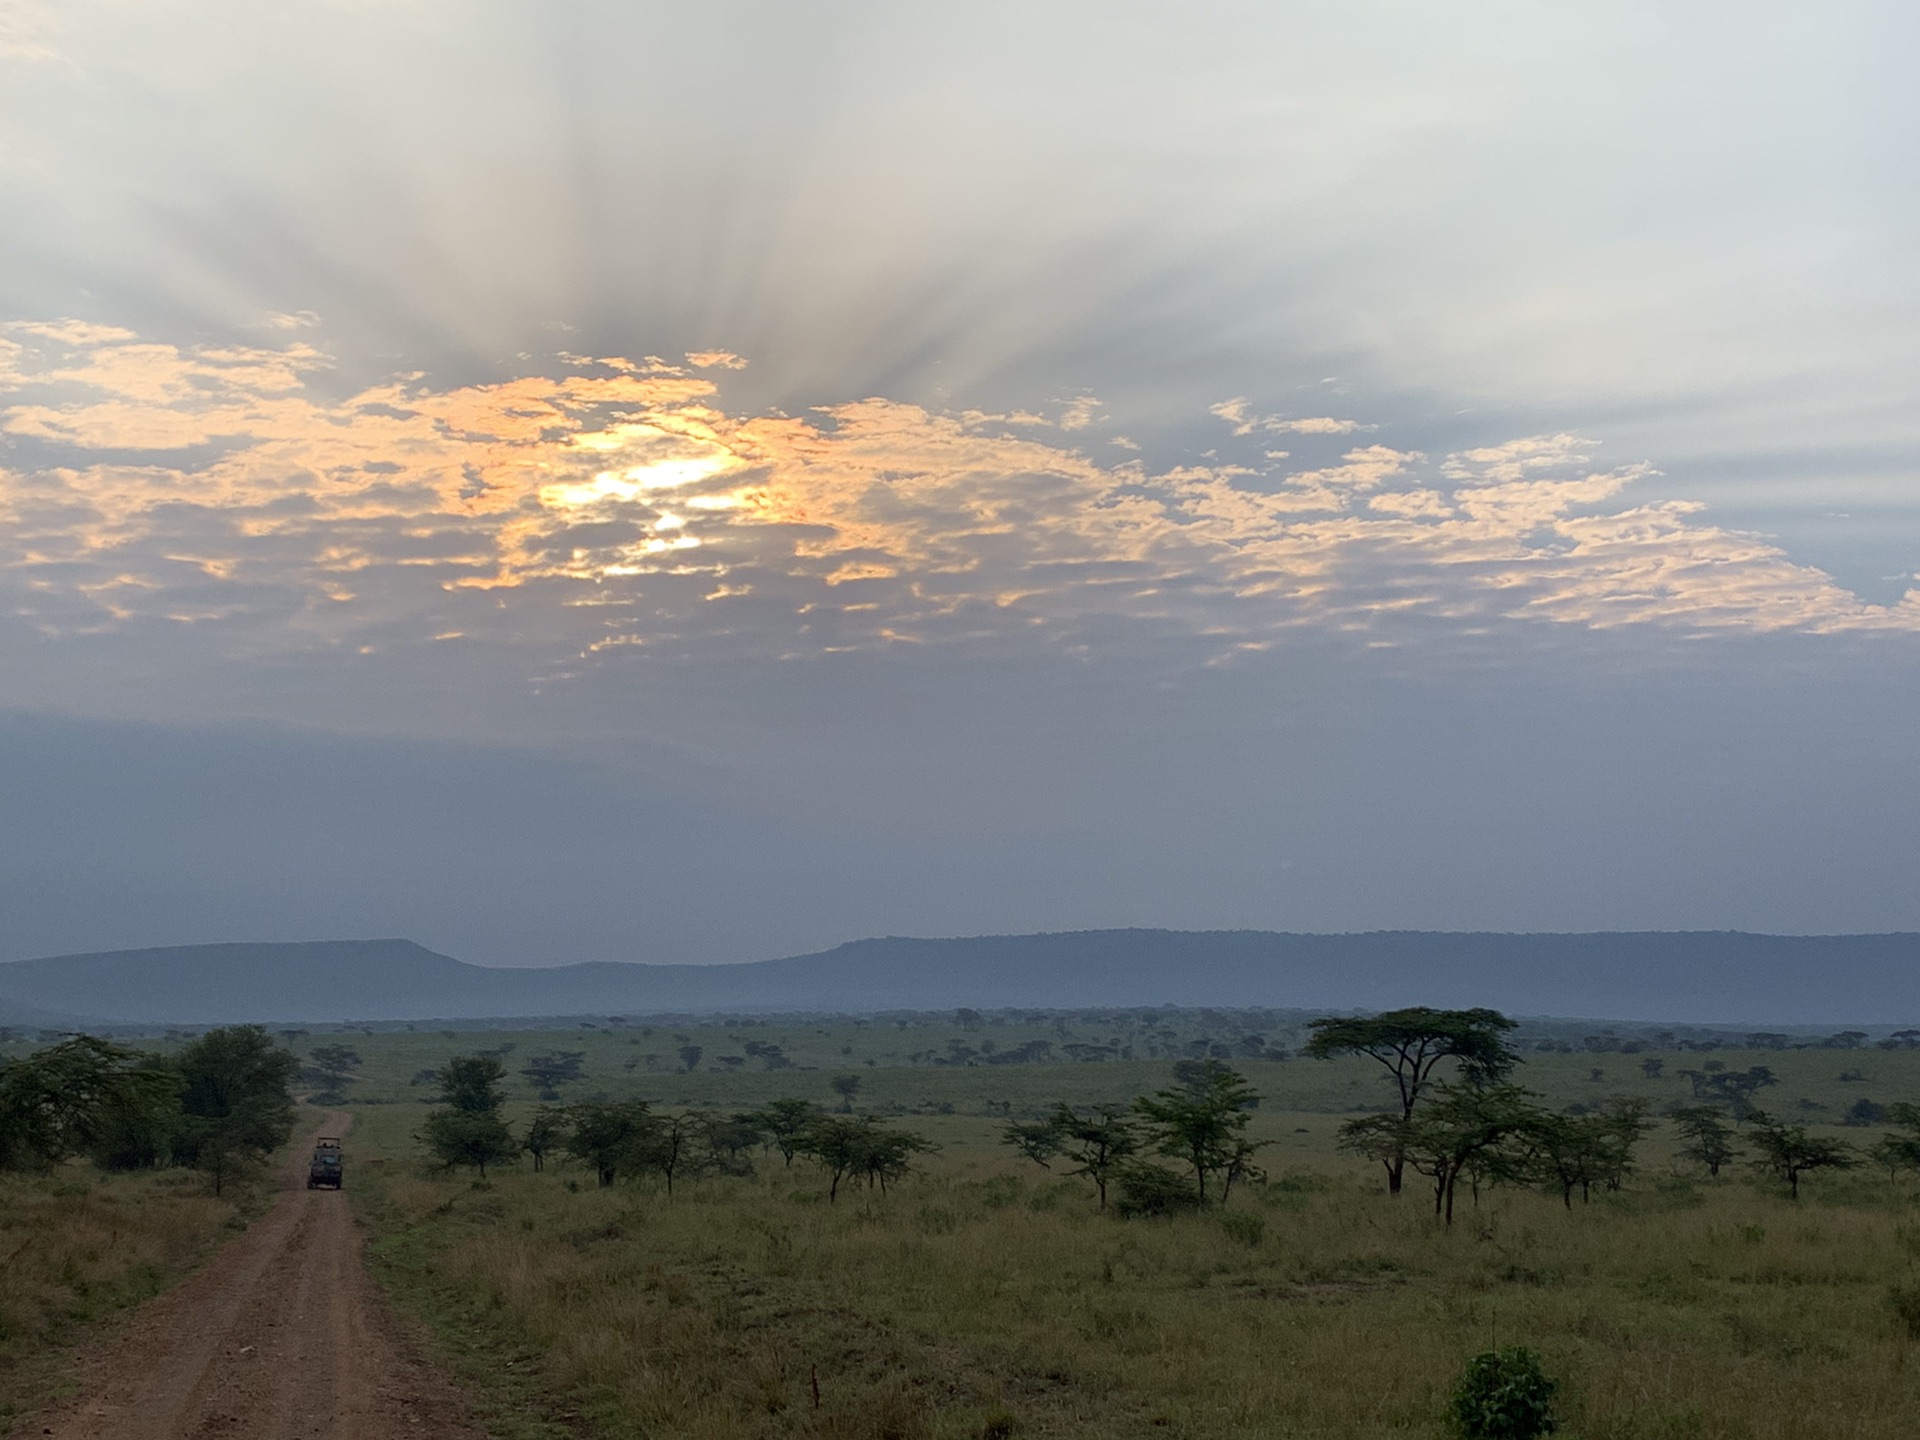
986, 1292
643, 1060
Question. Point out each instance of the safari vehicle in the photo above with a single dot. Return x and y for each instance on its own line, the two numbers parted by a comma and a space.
325, 1167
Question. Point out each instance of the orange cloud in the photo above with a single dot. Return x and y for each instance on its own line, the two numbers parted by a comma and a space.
189, 483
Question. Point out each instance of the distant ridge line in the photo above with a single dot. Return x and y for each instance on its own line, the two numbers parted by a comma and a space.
1699, 976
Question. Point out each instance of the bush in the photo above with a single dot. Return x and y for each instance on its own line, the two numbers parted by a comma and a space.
1151, 1190
1503, 1395
1864, 1112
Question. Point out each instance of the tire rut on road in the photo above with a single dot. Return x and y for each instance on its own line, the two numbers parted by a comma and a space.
282, 1336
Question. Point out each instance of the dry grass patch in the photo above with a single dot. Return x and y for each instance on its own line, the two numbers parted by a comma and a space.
980, 1301
77, 1245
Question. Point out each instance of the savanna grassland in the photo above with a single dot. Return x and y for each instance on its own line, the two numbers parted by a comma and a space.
986, 1296
78, 1245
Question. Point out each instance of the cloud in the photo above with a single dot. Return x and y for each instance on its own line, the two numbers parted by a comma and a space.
1236, 414
28, 32
608, 505
1080, 412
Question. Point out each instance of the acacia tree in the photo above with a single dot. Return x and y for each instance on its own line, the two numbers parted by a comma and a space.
784, 1122
334, 1065
1463, 1126
1411, 1044
1708, 1136
1788, 1151
725, 1141
1038, 1140
862, 1147
1733, 1088
846, 1087
1202, 1120
236, 1099
668, 1144
468, 1129
546, 1073
1569, 1151
545, 1133
85, 1096
607, 1135
1100, 1142
1900, 1152
889, 1156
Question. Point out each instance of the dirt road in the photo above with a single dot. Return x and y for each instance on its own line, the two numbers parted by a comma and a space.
281, 1337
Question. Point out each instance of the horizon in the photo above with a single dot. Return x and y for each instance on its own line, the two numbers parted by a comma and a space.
1730, 981
936, 939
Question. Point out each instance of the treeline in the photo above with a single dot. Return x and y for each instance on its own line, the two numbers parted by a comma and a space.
1460, 1117
629, 1138
1476, 1124
220, 1104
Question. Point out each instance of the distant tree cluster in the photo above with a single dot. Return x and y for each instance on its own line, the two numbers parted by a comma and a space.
1474, 1124
624, 1139
1458, 1117
221, 1104
1199, 1121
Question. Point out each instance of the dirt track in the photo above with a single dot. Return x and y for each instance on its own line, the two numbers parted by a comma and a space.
281, 1337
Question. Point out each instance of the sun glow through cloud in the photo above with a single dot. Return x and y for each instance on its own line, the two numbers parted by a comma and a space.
211, 487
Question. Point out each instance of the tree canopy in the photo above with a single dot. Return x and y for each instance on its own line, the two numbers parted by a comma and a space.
1411, 1044
236, 1099
85, 1096
862, 1148
1202, 1119
468, 1128
1789, 1152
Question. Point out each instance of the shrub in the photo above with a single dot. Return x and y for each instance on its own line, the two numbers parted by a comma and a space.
1503, 1395
1864, 1112
1152, 1190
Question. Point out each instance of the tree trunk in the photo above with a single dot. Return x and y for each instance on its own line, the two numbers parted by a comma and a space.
1396, 1174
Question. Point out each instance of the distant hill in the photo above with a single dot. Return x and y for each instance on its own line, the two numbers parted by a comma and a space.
1699, 977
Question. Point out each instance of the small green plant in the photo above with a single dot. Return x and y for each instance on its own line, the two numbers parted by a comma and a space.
1503, 1395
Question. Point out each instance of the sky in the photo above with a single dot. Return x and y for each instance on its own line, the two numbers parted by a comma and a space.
632, 481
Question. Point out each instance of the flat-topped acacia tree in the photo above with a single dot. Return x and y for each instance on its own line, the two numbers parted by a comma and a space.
1411, 1043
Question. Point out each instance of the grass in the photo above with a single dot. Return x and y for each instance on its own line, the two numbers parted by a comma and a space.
988, 1298
77, 1247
